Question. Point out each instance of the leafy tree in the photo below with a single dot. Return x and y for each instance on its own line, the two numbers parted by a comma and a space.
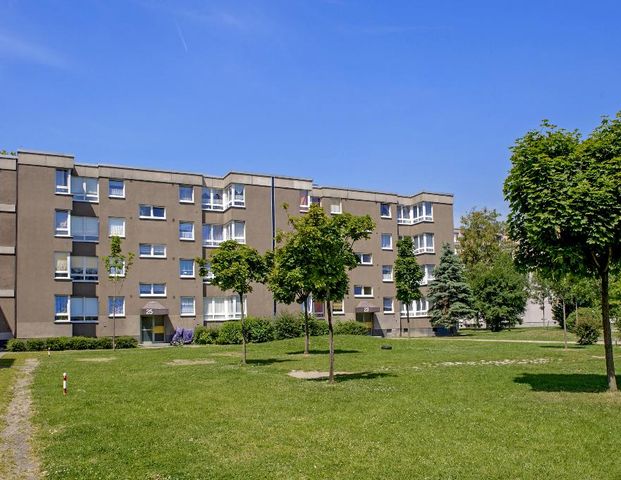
236, 267
329, 256
117, 267
482, 237
449, 295
408, 276
500, 293
565, 207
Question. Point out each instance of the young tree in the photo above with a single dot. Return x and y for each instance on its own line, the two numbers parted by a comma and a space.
449, 295
117, 267
482, 237
330, 255
236, 267
565, 206
408, 276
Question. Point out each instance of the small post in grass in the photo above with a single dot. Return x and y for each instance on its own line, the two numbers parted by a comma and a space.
65, 384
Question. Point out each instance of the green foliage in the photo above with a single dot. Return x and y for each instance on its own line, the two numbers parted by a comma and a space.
6, 152
126, 342
350, 327
482, 237
589, 315
36, 344
69, 343
317, 327
450, 297
500, 292
288, 325
205, 335
16, 345
259, 330
588, 327
408, 274
230, 333
57, 343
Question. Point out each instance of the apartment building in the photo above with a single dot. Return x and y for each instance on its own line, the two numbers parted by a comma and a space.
57, 217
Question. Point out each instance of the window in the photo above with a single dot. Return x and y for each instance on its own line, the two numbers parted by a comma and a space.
236, 231
116, 227
388, 305
63, 181
386, 241
209, 273
386, 273
187, 307
116, 188
85, 229
363, 291
315, 201
61, 265
404, 214
186, 194
84, 309
152, 212
316, 308
186, 230
422, 212
365, 258
152, 289
428, 269
116, 306
336, 207
117, 271
338, 307
62, 222
236, 195
213, 235
304, 200
61, 308
186, 268
223, 308
152, 250
212, 199
385, 210
85, 189
84, 269
423, 243
418, 308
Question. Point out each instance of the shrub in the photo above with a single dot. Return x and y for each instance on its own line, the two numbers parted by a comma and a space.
259, 330
205, 336
590, 314
36, 344
350, 327
588, 328
58, 343
102, 343
288, 325
79, 343
317, 327
229, 333
16, 345
126, 342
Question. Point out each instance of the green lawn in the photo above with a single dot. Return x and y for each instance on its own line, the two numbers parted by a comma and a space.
7, 376
432, 408
529, 333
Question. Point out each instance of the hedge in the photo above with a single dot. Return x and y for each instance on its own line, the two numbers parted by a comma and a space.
68, 343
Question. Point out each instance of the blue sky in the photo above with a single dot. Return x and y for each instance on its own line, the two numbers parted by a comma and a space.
397, 96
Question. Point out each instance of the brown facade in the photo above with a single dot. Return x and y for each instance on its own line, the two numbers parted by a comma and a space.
33, 243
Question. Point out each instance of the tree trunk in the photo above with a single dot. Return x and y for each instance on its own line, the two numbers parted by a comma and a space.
243, 329
610, 363
331, 332
306, 332
564, 325
407, 315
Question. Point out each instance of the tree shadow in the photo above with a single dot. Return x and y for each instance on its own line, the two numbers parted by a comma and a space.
558, 382
561, 347
6, 362
266, 361
312, 351
345, 377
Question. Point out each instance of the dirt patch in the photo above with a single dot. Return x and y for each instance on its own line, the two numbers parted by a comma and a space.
15, 440
179, 361
496, 363
96, 359
226, 354
313, 374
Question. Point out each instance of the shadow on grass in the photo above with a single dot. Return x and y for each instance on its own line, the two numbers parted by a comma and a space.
266, 361
557, 382
312, 351
561, 347
345, 377
6, 362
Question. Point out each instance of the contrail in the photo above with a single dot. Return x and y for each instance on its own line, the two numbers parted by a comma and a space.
185, 45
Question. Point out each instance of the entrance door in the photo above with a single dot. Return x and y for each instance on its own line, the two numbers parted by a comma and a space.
367, 319
152, 329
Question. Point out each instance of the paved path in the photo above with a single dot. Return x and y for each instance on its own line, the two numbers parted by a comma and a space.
16, 451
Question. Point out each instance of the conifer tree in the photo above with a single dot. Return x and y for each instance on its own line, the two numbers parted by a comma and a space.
449, 295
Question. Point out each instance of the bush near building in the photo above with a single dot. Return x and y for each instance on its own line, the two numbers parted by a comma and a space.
68, 343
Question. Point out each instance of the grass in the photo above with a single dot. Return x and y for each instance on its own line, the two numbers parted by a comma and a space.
529, 333
431, 408
7, 376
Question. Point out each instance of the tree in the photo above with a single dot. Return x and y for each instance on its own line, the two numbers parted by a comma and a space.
408, 276
117, 267
6, 152
482, 237
565, 207
289, 279
540, 289
500, 293
236, 267
329, 256
450, 297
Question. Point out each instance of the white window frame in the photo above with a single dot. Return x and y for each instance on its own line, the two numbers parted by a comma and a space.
63, 189
428, 269
390, 269
118, 314
305, 200
424, 246
82, 276
187, 314
62, 232
83, 222
115, 274
406, 219
232, 200
229, 232
182, 200
151, 215
110, 222
341, 311
186, 239
193, 274
422, 212
110, 195
392, 305
418, 308
336, 208
208, 239
389, 210
63, 316
361, 257
389, 235
231, 310
210, 275
62, 274
152, 248
82, 194
313, 307
364, 288
149, 295
210, 204
84, 318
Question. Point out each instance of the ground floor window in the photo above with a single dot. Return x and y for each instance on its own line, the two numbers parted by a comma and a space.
116, 306
223, 308
187, 306
84, 309
418, 308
